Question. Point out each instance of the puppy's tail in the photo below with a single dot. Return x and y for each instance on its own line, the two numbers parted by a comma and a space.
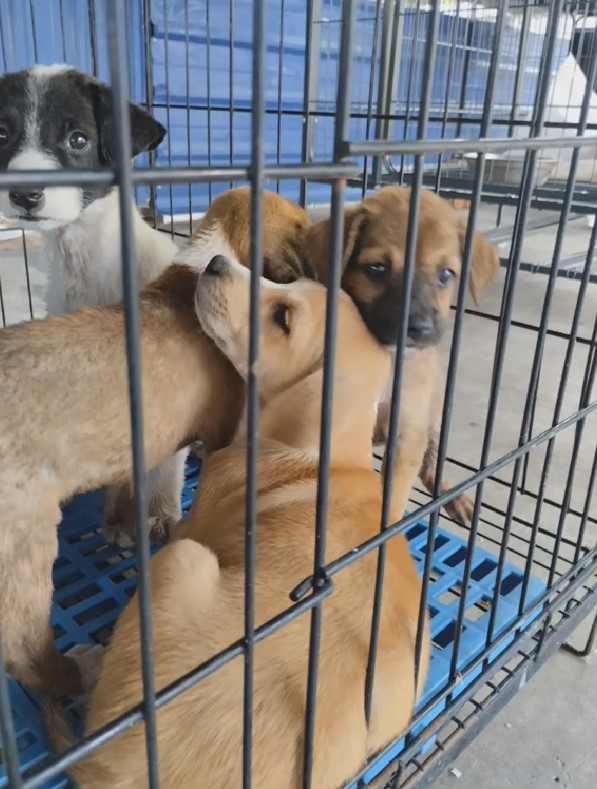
90, 774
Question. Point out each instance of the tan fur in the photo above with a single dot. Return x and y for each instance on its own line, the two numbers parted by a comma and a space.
378, 224
197, 582
65, 428
283, 226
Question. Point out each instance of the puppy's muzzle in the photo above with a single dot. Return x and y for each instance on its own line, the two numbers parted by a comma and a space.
30, 201
218, 266
422, 330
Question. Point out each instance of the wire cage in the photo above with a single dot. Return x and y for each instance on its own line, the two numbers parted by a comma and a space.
494, 106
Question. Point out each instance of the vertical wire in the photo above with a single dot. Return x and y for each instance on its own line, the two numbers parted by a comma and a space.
27, 278
33, 32
64, 58
208, 88
231, 87
584, 400
505, 317
485, 127
308, 84
91, 24
123, 173
374, 47
147, 30
187, 66
409, 263
536, 369
279, 96
450, 70
10, 755
387, 65
256, 178
332, 296
411, 77
168, 123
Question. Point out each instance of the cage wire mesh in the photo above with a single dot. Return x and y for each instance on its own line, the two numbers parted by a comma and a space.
494, 106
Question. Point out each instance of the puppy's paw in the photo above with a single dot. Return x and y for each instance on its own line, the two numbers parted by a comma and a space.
89, 659
161, 527
197, 450
460, 509
118, 532
119, 519
119, 528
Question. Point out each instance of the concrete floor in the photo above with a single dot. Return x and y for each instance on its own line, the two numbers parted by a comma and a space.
547, 735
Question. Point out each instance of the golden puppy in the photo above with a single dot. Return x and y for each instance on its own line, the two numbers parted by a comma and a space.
198, 581
65, 428
372, 265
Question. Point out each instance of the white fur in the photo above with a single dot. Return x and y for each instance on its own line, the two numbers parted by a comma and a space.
62, 203
201, 248
85, 266
85, 269
84, 257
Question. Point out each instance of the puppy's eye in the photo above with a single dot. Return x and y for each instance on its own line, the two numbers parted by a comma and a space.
281, 317
77, 141
376, 270
445, 276
4, 135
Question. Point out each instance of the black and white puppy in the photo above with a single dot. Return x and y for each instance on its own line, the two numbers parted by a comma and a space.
54, 117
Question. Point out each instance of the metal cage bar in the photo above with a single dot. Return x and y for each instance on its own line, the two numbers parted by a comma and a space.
570, 563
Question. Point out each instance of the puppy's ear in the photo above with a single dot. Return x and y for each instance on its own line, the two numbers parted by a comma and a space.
317, 242
485, 262
284, 265
146, 132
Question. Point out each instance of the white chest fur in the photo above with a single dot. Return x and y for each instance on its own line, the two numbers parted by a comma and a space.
85, 266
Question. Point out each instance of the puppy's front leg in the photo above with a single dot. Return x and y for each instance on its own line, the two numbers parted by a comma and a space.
164, 485
459, 508
411, 445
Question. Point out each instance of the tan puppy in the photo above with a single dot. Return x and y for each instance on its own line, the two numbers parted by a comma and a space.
373, 261
198, 581
65, 428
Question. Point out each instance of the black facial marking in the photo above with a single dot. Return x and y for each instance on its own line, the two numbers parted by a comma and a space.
280, 316
381, 315
13, 108
72, 113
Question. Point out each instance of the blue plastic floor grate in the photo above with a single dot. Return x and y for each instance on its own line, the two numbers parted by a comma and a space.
94, 580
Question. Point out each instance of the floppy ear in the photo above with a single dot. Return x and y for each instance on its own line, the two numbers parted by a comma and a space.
146, 132
317, 242
284, 265
485, 262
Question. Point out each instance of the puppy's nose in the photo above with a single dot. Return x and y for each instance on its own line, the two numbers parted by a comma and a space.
30, 201
217, 266
420, 327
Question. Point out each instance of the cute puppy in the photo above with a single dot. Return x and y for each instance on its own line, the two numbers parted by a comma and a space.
198, 580
65, 428
55, 117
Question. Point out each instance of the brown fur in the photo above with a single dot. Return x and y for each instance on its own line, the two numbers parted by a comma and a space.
283, 226
375, 230
197, 582
65, 428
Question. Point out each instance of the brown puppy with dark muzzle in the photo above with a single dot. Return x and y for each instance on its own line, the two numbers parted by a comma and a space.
372, 267
372, 262
65, 428
197, 582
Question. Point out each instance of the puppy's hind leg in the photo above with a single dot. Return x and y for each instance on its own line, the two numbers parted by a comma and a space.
25, 601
